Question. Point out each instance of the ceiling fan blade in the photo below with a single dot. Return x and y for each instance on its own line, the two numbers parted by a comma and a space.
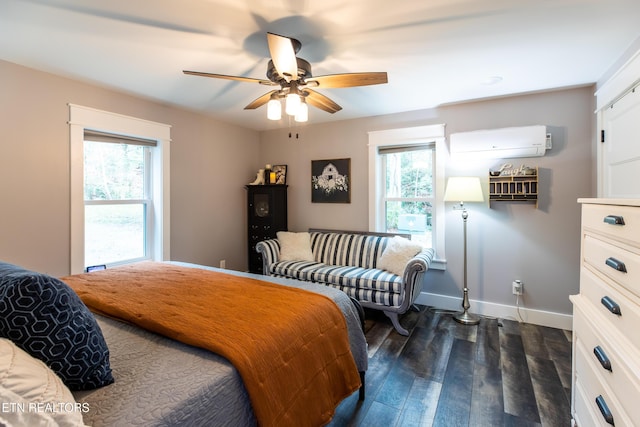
348, 80
320, 101
283, 55
224, 76
260, 101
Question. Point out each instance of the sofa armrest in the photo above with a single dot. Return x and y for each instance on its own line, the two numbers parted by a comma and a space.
270, 251
413, 273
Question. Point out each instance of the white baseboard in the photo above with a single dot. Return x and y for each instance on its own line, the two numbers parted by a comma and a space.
489, 309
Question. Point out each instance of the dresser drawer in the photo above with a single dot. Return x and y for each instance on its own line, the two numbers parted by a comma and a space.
593, 217
595, 289
586, 410
595, 388
620, 265
611, 366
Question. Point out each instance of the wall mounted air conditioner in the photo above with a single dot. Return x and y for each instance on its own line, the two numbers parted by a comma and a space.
526, 141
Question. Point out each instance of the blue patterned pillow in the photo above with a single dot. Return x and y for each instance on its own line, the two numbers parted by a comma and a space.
47, 319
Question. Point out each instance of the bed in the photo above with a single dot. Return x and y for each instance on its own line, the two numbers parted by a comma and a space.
162, 381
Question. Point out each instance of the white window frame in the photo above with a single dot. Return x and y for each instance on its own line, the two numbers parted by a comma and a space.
81, 118
146, 201
431, 134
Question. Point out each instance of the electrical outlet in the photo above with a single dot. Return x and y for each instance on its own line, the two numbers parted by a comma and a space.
223, 263
517, 287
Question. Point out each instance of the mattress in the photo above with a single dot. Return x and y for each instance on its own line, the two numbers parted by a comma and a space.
160, 381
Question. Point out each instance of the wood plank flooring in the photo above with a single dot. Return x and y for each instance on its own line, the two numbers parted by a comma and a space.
498, 373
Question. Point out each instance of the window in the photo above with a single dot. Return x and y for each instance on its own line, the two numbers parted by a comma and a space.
119, 188
408, 191
118, 214
406, 172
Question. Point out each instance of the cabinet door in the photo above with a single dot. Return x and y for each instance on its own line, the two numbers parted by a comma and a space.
279, 208
268, 209
267, 214
620, 152
261, 206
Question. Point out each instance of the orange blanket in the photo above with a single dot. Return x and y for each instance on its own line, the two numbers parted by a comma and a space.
289, 345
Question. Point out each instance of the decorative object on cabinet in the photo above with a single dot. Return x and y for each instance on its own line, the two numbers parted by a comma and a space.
464, 189
513, 184
267, 214
330, 181
269, 176
259, 178
605, 385
280, 174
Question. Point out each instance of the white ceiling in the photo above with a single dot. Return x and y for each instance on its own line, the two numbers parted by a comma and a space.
434, 51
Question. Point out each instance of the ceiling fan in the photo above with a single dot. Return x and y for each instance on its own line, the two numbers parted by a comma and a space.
295, 81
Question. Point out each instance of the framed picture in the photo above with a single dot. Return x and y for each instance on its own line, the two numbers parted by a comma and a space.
330, 181
281, 173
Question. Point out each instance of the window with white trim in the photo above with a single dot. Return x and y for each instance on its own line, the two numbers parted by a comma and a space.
127, 175
408, 196
118, 214
406, 175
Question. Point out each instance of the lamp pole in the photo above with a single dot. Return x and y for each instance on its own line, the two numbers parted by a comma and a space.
465, 317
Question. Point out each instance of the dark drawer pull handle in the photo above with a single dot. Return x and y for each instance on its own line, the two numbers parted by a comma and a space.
602, 358
616, 264
604, 409
611, 305
614, 220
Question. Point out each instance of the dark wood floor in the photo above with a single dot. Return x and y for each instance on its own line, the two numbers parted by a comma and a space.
498, 373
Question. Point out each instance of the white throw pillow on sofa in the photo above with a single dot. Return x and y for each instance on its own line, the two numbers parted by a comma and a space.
295, 246
43, 392
397, 254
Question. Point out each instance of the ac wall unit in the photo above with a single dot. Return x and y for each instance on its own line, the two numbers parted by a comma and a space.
526, 141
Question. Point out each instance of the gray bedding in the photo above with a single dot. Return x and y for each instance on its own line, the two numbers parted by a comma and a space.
162, 382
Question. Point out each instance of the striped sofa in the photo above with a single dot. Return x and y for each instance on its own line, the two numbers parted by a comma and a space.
347, 261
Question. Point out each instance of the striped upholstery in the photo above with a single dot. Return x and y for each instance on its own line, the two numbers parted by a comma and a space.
364, 284
270, 250
348, 262
355, 250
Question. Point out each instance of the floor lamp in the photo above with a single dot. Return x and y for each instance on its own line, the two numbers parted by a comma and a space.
464, 189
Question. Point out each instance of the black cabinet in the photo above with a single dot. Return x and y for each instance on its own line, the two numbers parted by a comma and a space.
267, 214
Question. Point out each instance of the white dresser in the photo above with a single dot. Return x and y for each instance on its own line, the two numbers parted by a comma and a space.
606, 316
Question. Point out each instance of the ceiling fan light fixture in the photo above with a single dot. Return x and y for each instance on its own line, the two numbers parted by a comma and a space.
303, 112
292, 103
295, 80
274, 109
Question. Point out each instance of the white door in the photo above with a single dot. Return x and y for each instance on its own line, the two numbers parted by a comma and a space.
620, 151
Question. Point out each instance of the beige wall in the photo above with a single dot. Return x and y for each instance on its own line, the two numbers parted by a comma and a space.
507, 241
210, 163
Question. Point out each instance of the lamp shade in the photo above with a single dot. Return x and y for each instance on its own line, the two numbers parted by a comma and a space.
292, 103
303, 112
463, 189
274, 109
